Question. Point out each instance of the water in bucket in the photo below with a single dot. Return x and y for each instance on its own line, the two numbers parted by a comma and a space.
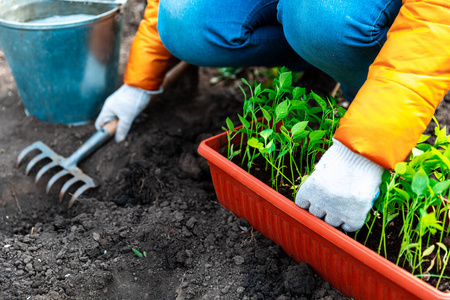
63, 55
61, 19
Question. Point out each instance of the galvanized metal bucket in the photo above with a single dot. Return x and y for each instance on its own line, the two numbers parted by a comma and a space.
64, 55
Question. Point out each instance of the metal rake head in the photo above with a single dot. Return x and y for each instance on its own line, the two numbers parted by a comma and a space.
68, 166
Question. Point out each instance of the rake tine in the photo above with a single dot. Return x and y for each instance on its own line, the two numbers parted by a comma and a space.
66, 187
77, 194
34, 146
45, 169
69, 164
55, 178
34, 161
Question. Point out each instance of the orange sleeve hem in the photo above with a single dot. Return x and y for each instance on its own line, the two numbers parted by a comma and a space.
405, 84
149, 59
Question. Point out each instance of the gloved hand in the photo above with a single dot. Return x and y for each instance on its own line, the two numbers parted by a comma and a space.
342, 187
126, 104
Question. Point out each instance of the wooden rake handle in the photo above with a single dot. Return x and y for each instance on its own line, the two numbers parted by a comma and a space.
171, 76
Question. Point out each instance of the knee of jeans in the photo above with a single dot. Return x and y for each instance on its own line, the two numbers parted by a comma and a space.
311, 37
321, 35
182, 30
176, 26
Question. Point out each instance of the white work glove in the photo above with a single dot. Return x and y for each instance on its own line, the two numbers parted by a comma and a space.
125, 104
342, 187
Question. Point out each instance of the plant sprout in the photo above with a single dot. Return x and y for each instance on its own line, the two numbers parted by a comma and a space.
415, 194
290, 130
138, 253
285, 126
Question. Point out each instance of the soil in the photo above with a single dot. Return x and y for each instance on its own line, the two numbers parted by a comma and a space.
156, 196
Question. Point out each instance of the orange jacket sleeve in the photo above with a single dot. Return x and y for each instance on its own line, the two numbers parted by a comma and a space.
405, 84
149, 59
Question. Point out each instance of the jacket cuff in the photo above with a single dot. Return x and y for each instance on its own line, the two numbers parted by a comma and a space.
135, 91
351, 160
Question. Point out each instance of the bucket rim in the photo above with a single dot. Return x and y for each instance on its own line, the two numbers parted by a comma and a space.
67, 24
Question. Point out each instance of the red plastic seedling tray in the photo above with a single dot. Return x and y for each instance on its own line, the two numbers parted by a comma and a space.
350, 267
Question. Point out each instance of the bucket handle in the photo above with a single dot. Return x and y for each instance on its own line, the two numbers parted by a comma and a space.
118, 2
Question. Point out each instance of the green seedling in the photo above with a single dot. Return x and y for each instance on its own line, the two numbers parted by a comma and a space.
291, 129
139, 254
282, 124
415, 195
225, 73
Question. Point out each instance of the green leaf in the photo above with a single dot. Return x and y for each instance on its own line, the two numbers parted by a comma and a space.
266, 134
315, 110
402, 193
390, 217
285, 80
429, 222
255, 143
441, 187
438, 175
271, 94
407, 246
400, 168
341, 111
250, 107
436, 158
299, 127
405, 170
299, 136
282, 153
244, 122
258, 89
285, 133
298, 92
139, 254
447, 152
233, 153
266, 114
230, 124
441, 135
243, 92
245, 81
319, 100
423, 138
270, 146
316, 135
299, 104
282, 110
245, 107
420, 182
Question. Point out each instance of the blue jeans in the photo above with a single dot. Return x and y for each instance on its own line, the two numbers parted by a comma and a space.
340, 37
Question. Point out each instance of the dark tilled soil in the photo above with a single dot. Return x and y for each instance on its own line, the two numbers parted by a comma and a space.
156, 197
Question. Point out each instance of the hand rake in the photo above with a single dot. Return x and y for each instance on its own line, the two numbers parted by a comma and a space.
68, 165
